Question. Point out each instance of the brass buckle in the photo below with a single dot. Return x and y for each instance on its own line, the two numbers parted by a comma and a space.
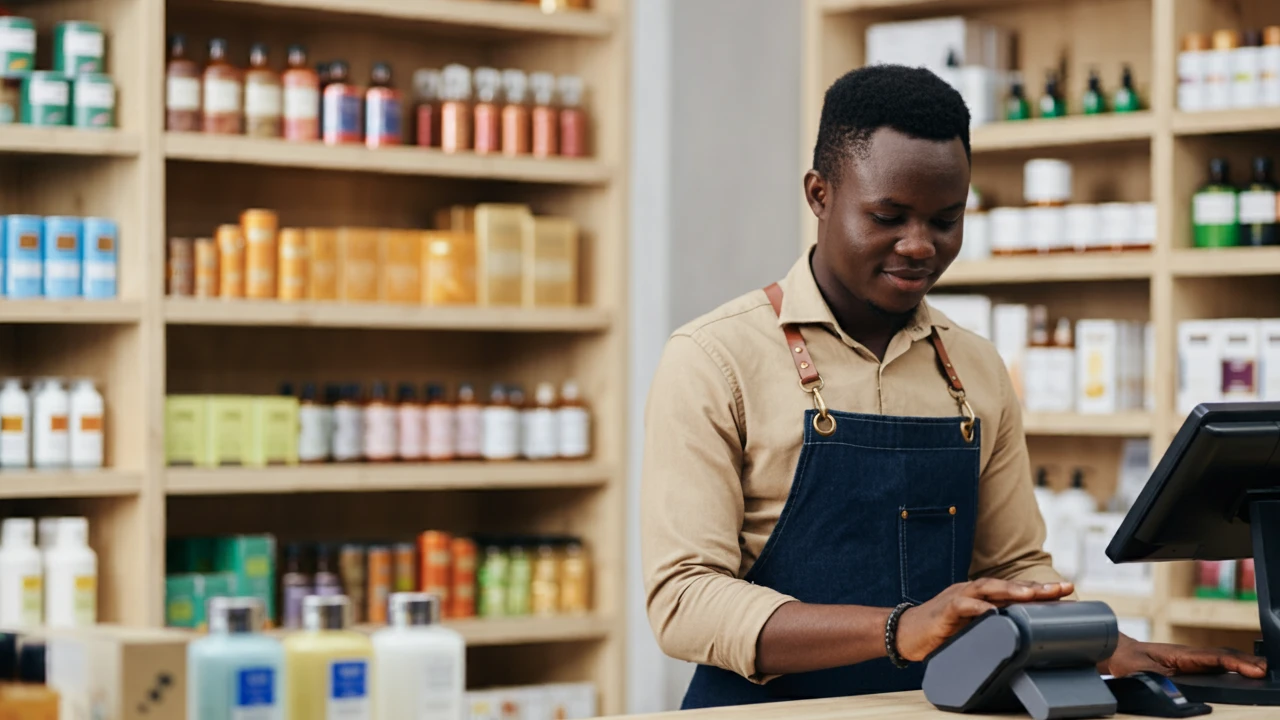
966, 425
815, 389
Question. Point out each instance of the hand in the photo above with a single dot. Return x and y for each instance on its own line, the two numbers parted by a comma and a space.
1132, 656
923, 628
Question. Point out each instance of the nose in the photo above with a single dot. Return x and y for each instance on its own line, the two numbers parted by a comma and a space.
917, 243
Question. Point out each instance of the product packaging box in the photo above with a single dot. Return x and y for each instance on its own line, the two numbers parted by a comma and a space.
187, 596
274, 431
24, 259
357, 264
1199, 365
1097, 573
971, 312
551, 262
116, 673
228, 430
100, 258
1099, 365
400, 257
252, 559
1269, 356
500, 241
322, 249
1216, 579
456, 218
1010, 325
185, 433
928, 43
62, 257
448, 268
190, 555
1239, 346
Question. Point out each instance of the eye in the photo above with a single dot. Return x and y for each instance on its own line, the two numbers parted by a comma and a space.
944, 224
886, 219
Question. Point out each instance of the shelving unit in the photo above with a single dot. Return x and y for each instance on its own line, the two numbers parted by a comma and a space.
1160, 155
158, 185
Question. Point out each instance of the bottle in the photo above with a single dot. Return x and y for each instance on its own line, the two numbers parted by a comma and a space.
541, 438
455, 110
1073, 507
519, 580
351, 567
426, 89
47, 534
1051, 103
340, 117
295, 586
1061, 366
223, 113
21, 576
1044, 496
469, 434
1016, 106
332, 394
323, 76
327, 665
574, 431
182, 89
1270, 66
440, 425
573, 118
410, 420
575, 580
326, 580
545, 593
313, 427
15, 426
487, 127
235, 672
379, 426
1258, 207
86, 432
382, 109
1246, 71
1219, 68
546, 118
348, 426
418, 663
301, 98
501, 432
1127, 99
262, 95
516, 127
50, 439
71, 577
1213, 209
1193, 72
461, 601
491, 581
1095, 102
378, 576
1035, 362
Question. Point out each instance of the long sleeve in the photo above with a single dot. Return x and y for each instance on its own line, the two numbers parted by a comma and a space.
692, 511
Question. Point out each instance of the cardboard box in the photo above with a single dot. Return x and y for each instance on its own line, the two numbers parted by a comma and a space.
501, 237
448, 268
927, 43
357, 264
400, 260
1199, 364
185, 434
114, 673
274, 431
1269, 355
322, 249
20, 701
1010, 325
187, 596
1099, 366
252, 559
228, 430
1238, 342
551, 262
456, 218
971, 312
190, 555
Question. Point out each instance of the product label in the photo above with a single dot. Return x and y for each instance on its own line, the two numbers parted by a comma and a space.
28, 241
438, 698
301, 103
66, 243
77, 43
553, 271
32, 600
348, 697
1257, 207
25, 269
47, 92
255, 696
11, 423
98, 270
183, 93
58, 423
313, 434
85, 599
262, 100
440, 432
17, 40
380, 433
1239, 380
221, 96
62, 270
575, 432
541, 441
91, 423
504, 264
501, 432
95, 95
470, 428
1213, 208
346, 433
383, 118
341, 115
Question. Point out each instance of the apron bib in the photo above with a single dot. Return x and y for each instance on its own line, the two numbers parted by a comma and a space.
881, 511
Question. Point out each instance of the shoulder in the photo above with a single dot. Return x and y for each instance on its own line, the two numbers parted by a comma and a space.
732, 325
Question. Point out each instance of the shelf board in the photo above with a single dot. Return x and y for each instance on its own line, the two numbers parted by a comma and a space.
507, 16
1057, 132
1226, 262
69, 484
1214, 614
103, 312
1129, 424
842, 6
1226, 121
527, 631
196, 147
68, 141
381, 316
1065, 267
372, 477
1132, 606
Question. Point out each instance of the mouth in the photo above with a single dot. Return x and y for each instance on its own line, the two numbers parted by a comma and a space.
909, 280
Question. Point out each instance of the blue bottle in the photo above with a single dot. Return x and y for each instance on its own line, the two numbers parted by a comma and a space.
100, 241
236, 672
62, 257
24, 261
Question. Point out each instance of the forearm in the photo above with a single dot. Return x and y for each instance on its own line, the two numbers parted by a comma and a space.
800, 637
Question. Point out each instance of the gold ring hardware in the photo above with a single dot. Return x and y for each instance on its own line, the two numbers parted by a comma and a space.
904, 514
827, 431
952, 510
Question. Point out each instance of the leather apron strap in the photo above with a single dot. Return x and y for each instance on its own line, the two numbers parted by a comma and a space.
811, 380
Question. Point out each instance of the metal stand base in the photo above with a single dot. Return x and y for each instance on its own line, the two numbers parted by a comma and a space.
1228, 689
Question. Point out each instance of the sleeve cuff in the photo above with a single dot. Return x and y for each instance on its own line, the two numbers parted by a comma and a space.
754, 624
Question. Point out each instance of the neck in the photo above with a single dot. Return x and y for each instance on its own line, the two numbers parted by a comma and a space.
870, 326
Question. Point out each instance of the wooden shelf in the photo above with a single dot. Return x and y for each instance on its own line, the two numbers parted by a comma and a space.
1226, 262
1226, 122
526, 631
195, 147
1215, 614
508, 16
362, 477
1057, 132
68, 141
69, 484
1131, 424
102, 312
385, 316
931, 6
1066, 267
1131, 606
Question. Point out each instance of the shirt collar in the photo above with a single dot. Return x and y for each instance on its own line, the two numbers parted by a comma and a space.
803, 304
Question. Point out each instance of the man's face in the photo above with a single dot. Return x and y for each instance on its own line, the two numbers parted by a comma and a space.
895, 220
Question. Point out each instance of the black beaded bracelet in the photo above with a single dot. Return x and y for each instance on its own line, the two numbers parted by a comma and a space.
891, 635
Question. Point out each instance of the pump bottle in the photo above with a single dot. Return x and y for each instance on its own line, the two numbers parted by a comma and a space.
235, 673
419, 665
326, 665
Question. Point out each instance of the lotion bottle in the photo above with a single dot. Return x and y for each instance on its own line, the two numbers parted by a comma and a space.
348, 426
15, 426
327, 665
50, 441
501, 427
541, 426
235, 672
469, 436
574, 431
21, 576
439, 425
313, 427
419, 665
86, 426
71, 577
379, 426
410, 421
1074, 506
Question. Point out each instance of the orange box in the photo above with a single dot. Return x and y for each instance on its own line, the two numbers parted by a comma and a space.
206, 276
551, 263
462, 585
436, 572
293, 264
357, 264
448, 268
400, 256
322, 251
230, 261
458, 218
259, 227
501, 236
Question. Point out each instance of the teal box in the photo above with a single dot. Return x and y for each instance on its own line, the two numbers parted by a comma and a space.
46, 99
191, 555
24, 261
187, 596
252, 559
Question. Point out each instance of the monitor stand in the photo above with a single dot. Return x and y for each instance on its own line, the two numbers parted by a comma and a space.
1233, 689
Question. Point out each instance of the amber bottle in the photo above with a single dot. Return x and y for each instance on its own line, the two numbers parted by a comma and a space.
182, 89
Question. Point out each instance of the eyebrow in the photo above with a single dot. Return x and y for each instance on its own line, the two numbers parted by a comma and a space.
903, 206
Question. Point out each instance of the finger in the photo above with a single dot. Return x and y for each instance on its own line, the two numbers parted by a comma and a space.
968, 607
1053, 591
1247, 665
1002, 591
1205, 660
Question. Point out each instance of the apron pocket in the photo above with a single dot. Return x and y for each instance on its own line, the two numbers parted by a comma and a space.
926, 551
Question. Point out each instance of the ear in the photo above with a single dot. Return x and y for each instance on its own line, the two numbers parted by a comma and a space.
817, 192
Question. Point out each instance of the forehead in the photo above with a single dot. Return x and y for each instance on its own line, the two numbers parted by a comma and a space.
894, 163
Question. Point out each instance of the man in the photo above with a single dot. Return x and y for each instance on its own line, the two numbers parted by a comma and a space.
836, 478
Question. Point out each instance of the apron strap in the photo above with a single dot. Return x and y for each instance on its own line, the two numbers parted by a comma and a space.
795, 341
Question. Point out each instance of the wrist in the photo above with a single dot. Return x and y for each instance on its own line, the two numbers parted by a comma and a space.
892, 636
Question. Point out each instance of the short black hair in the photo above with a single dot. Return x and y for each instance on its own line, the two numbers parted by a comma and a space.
913, 101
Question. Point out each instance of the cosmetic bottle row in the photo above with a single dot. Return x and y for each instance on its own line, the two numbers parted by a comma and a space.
75, 92
1052, 104
457, 109
54, 583
1229, 69
1235, 360
51, 425
24, 690
494, 255
560, 701
58, 257
554, 6
1226, 580
1223, 215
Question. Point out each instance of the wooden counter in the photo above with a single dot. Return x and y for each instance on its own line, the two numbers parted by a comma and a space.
897, 706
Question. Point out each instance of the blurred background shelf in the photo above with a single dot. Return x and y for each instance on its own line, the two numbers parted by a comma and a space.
1214, 614
467, 14
69, 483
1059, 132
1130, 424
1226, 121
382, 315
369, 477
1128, 606
68, 141
1065, 267
1225, 262
104, 312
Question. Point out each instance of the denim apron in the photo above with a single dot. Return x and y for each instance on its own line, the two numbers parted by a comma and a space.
881, 511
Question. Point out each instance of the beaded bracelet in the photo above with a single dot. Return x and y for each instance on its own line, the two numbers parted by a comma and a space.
891, 635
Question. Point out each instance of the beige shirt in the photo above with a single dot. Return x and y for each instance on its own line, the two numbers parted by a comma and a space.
723, 433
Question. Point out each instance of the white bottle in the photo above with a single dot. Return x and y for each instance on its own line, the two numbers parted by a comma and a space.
1271, 67
574, 431
313, 427
541, 439
500, 436
440, 425
47, 534
348, 426
1218, 70
1073, 508
1246, 72
15, 426
1193, 70
419, 666
71, 577
87, 412
50, 439
410, 427
380, 421
21, 576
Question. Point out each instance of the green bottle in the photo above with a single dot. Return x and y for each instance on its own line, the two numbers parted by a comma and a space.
1095, 103
1214, 209
1016, 106
1051, 104
1127, 99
